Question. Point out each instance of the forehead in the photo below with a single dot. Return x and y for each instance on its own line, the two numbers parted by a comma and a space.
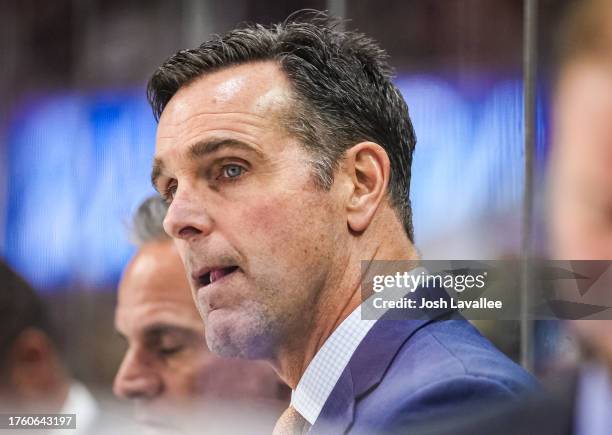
251, 94
154, 288
583, 131
585, 92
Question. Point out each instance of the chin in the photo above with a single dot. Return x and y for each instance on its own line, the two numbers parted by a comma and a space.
231, 334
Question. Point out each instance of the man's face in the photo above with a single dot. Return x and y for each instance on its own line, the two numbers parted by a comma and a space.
581, 175
167, 370
259, 240
581, 179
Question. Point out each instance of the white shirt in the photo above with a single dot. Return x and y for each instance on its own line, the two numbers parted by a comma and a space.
323, 372
79, 402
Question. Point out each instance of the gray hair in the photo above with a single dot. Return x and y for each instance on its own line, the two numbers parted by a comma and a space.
147, 224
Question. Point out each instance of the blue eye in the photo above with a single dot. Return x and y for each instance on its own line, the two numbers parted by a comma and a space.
232, 171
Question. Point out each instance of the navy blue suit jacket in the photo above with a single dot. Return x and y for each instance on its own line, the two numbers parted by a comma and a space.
406, 372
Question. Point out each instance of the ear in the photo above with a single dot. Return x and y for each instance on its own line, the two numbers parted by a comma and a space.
368, 167
31, 360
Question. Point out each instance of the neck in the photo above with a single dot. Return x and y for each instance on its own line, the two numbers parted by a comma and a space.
335, 304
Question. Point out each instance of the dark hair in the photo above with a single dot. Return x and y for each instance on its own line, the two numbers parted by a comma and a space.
585, 32
342, 86
20, 309
148, 221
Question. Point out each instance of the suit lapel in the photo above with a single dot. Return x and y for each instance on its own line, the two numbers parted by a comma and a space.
337, 414
368, 365
377, 350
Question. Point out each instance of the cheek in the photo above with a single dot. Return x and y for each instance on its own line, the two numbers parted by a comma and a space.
294, 248
295, 223
267, 218
184, 375
216, 377
289, 240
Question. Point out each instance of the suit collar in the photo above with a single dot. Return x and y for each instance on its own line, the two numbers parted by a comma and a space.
377, 350
371, 360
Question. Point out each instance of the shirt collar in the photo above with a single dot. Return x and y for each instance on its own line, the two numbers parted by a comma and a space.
325, 369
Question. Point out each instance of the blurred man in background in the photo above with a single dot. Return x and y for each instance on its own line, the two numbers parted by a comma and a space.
175, 382
581, 191
581, 161
579, 401
33, 377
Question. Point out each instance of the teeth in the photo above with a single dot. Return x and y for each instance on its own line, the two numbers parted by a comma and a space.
217, 274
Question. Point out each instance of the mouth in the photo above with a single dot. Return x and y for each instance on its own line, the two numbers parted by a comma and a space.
213, 274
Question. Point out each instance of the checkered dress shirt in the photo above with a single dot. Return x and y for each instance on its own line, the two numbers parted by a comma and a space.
325, 369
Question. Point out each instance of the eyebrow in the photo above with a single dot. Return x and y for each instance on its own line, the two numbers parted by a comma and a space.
155, 333
159, 328
201, 149
164, 327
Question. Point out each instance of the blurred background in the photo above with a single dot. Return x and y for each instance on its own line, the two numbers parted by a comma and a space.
77, 135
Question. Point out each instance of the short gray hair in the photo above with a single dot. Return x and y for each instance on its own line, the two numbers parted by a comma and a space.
147, 223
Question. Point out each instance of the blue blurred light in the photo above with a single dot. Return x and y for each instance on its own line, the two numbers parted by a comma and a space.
468, 161
78, 166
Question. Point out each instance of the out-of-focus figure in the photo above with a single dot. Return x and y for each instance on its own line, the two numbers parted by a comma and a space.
580, 221
175, 382
33, 377
581, 190
581, 162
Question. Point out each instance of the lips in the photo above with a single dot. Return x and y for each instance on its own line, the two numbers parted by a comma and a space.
213, 274
217, 274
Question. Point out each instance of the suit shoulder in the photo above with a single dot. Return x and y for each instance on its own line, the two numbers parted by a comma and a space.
456, 348
443, 365
452, 354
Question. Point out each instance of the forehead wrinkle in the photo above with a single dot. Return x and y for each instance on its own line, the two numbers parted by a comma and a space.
246, 118
250, 130
213, 134
271, 105
141, 316
252, 89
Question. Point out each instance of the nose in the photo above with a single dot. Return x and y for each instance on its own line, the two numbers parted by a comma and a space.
137, 378
187, 216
